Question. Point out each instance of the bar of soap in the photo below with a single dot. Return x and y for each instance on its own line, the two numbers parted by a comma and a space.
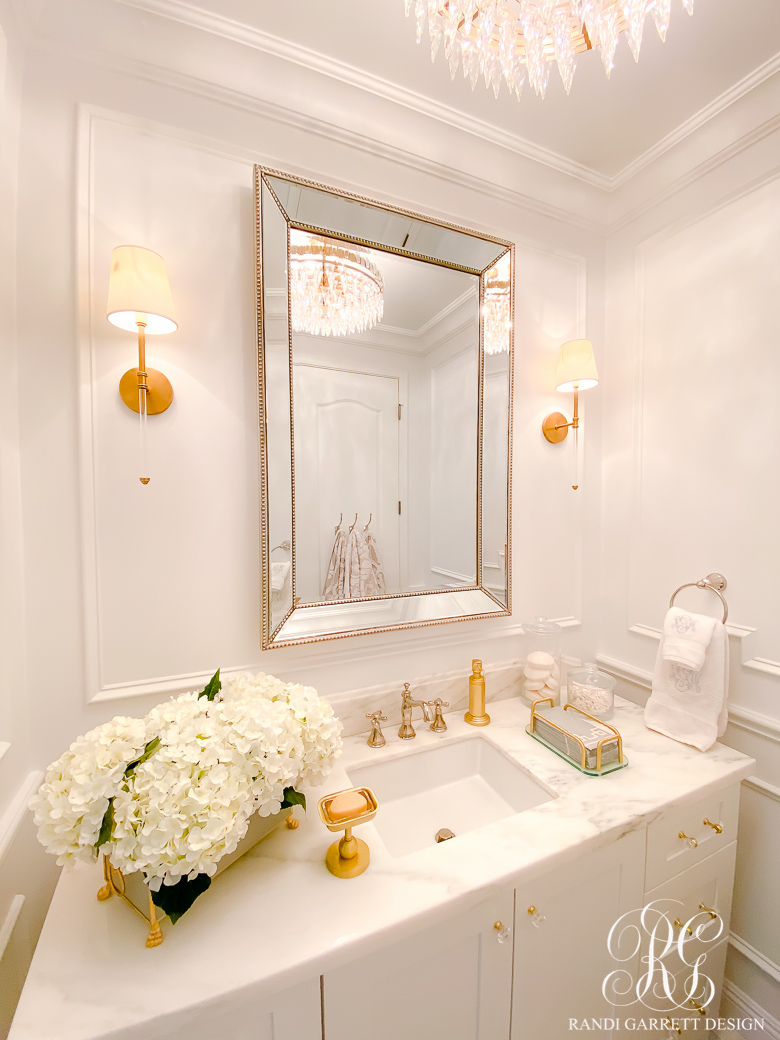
347, 806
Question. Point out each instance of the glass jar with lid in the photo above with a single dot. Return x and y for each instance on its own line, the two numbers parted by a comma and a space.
592, 691
541, 660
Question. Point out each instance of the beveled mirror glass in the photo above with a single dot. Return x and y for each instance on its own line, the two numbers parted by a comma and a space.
385, 369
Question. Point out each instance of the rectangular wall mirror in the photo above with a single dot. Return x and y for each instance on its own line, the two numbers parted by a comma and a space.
385, 370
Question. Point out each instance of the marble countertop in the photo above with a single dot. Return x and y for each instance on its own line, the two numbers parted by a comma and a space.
277, 917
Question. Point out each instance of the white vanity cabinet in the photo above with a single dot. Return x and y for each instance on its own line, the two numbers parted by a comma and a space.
562, 923
452, 981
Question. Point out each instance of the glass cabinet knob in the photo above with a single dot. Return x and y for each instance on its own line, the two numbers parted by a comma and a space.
502, 932
537, 917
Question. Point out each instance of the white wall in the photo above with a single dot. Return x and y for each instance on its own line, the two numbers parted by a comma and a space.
26, 877
130, 593
690, 474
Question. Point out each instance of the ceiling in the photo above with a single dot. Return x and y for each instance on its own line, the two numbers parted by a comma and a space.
603, 126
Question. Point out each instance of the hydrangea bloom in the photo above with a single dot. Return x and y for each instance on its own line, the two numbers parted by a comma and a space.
188, 804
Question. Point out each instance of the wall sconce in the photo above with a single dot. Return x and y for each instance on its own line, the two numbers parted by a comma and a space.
139, 299
576, 371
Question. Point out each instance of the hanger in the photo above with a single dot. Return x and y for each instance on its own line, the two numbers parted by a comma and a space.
370, 515
353, 526
338, 525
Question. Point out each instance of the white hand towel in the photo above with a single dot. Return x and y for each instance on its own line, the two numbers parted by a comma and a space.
691, 706
279, 572
686, 637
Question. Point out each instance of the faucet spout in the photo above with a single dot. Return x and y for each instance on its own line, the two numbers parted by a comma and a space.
406, 732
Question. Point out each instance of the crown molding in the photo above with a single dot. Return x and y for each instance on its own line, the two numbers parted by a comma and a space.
227, 28
320, 128
237, 32
697, 121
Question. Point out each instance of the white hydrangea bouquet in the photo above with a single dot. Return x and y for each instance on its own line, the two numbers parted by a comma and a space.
172, 794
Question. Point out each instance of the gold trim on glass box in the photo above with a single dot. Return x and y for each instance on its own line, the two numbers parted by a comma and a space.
270, 632
568, 733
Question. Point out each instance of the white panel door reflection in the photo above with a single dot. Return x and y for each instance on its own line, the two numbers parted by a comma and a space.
346, 465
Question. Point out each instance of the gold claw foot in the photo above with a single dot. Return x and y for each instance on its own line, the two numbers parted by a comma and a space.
292, 822
155, 936
105, 892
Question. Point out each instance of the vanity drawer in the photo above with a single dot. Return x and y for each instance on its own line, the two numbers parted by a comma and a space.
669, 854
689, 897
700, 1004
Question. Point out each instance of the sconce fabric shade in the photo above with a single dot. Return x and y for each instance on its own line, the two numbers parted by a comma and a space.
576, 366
138, 291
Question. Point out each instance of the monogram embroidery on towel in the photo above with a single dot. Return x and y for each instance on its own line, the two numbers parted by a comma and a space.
684, 623
684, 679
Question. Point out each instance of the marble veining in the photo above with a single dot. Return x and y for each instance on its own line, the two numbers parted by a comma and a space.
277, 917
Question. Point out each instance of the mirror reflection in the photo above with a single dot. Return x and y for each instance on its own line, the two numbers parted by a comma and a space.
385, 384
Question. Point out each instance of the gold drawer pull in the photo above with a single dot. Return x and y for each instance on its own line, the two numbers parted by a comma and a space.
691, 841
698, 1007
678, 924
717, 827
672, 1027
708, 910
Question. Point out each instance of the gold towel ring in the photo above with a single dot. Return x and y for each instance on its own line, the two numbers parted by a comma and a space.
714, 582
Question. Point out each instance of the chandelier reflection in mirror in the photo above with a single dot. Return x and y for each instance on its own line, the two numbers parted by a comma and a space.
335, 289
504, 39
496, 311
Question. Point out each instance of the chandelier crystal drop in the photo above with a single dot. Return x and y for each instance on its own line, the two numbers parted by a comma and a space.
335, 289
496, 313
505, 40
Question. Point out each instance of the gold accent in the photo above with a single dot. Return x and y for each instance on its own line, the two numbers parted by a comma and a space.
583, 749
678, 924
476, 715
698, 1007
406, 730
708, 910
348, 857
155, 936
691, 841
292, 822
555, 428
159, 392
717, 827
268, 640
115, 885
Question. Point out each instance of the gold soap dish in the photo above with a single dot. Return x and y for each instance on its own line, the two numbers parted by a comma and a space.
348, 857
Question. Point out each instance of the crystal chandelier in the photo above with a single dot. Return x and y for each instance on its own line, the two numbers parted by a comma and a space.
496, 317
335, 289
504, 39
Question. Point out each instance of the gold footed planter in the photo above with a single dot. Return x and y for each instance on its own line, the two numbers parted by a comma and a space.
134, 891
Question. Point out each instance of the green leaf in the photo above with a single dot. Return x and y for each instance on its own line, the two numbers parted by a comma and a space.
175, 900
212, 687
107, 826
149, 750
293, 797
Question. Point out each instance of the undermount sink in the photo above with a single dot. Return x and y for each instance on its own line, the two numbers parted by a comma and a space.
461, 786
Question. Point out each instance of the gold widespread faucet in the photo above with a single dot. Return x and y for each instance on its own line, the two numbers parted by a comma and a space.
406, 732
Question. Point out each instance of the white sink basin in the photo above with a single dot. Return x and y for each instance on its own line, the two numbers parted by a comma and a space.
460, 785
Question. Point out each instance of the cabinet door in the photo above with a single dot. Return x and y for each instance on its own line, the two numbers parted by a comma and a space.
452, 981
561, 953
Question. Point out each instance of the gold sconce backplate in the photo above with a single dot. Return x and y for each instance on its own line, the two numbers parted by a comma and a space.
159, 395
551, 421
